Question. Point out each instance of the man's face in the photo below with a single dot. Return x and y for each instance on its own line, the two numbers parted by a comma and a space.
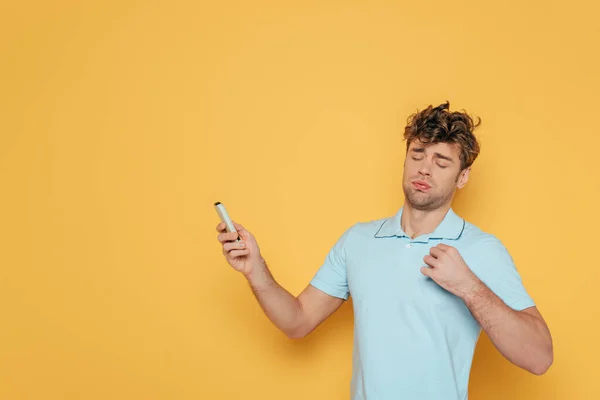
432, 174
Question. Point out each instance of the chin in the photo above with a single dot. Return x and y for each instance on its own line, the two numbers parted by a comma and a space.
422, 206
419, 201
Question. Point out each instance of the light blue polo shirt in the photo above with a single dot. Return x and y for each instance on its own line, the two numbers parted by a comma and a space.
413, 340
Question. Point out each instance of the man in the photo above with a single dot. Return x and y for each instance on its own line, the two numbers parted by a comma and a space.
424, 282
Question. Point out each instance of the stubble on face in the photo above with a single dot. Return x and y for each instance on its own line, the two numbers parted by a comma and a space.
426, 201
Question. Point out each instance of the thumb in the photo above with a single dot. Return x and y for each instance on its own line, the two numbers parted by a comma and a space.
427, 271
243, 232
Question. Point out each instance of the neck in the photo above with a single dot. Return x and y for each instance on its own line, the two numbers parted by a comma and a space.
417, 222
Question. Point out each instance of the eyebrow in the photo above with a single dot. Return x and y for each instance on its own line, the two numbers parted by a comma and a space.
438, 155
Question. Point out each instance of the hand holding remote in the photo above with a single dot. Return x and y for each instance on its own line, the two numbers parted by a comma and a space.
239, 246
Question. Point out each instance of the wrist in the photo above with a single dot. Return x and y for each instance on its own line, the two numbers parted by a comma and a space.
259, 277
472, 290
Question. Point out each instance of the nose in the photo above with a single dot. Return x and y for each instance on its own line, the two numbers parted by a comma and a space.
424, 169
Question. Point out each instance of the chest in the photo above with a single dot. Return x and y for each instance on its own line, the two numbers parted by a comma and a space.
387, 274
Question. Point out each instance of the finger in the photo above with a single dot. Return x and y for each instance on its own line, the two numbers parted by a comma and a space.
229, 246
221, 227
431, 261
426, 271
227, 237
451, 251
444, 247
436, 252
237, 253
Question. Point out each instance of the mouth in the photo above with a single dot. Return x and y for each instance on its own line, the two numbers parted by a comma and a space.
421, 185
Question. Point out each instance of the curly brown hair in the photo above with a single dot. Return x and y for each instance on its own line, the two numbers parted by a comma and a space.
438, 125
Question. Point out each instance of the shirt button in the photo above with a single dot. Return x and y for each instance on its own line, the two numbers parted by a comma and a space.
408, 245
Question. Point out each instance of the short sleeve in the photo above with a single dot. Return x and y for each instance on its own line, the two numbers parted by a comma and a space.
494, 266
331, 276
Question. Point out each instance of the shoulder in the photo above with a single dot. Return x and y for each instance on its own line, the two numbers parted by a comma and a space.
369, 228
477, 240
361, 231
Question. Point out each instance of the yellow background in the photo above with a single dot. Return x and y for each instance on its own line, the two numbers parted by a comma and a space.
122, 122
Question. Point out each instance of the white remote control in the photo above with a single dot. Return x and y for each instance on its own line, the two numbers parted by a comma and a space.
225, 218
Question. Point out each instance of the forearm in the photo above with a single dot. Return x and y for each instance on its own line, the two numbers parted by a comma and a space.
280, 306
522, 338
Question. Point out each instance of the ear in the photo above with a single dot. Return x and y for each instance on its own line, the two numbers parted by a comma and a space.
463, 177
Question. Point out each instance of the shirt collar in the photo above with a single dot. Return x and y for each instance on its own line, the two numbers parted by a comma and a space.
451, 227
